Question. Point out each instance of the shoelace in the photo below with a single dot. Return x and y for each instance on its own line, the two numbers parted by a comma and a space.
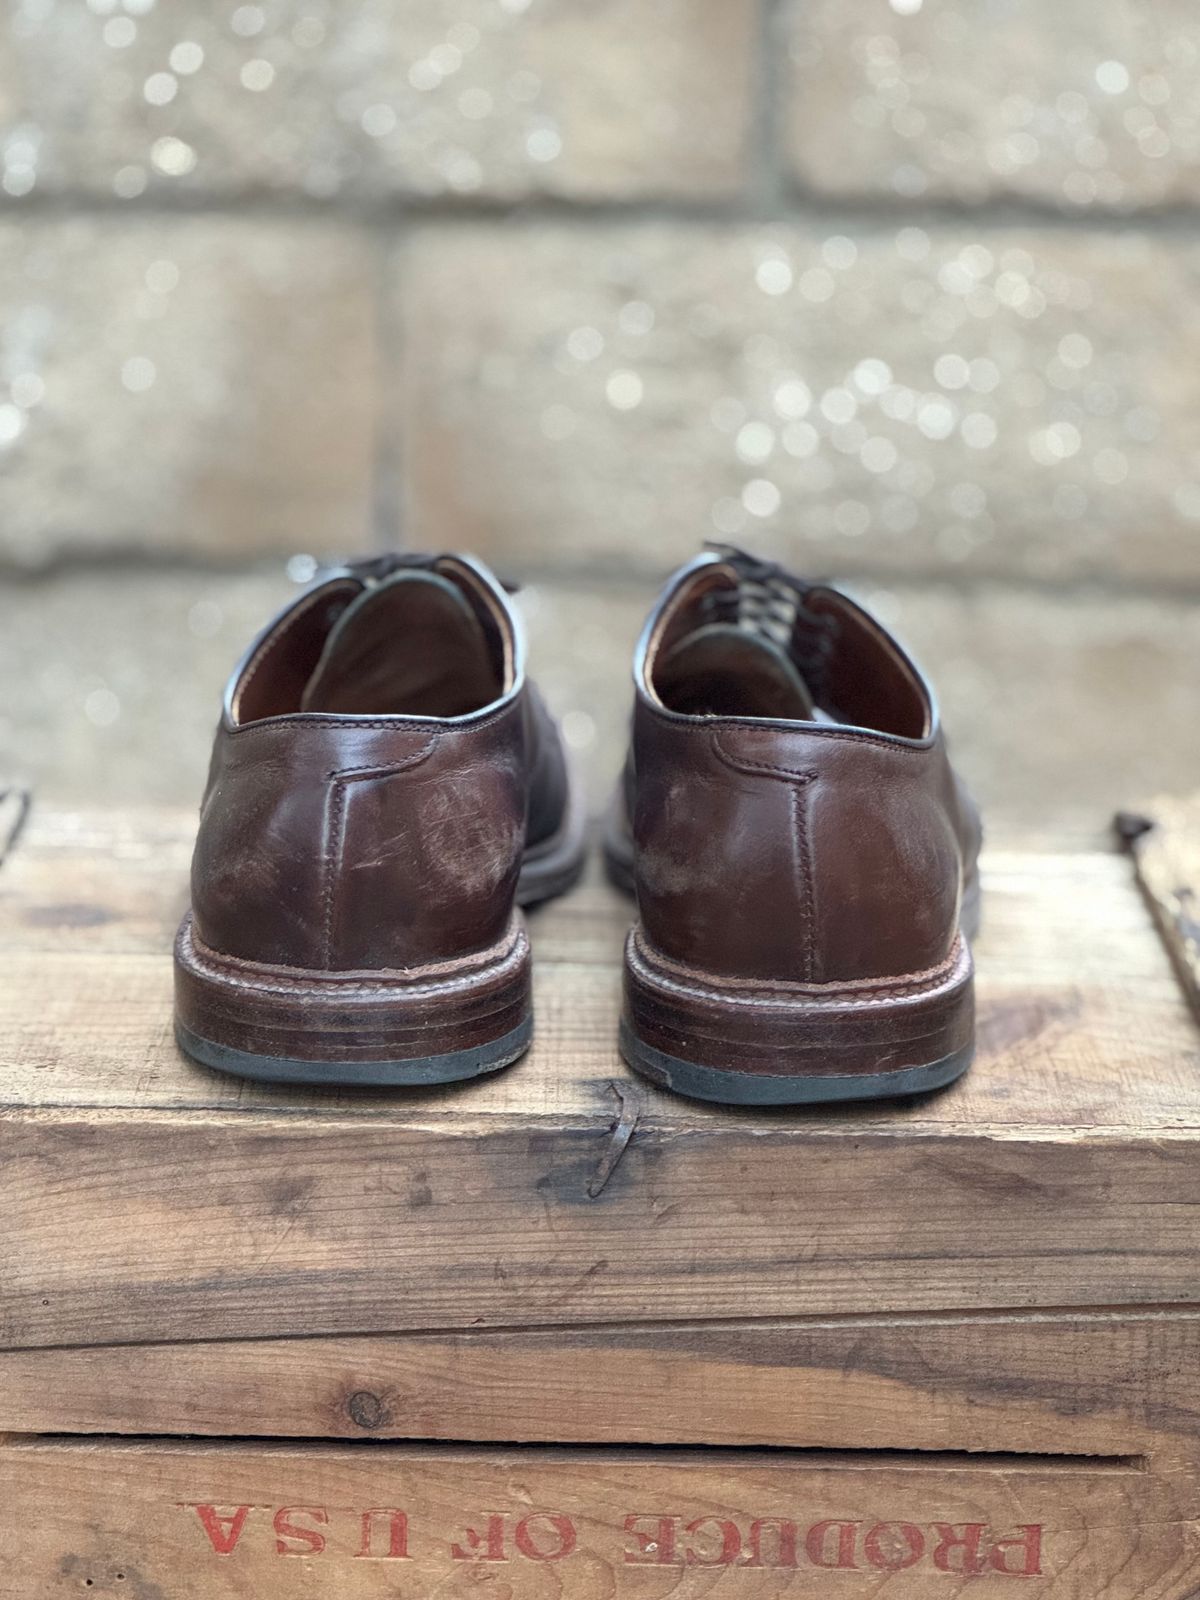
771, 602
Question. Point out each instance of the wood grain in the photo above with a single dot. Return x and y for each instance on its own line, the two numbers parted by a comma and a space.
990, 1299
147, 1200
1081, 1022
229, 1522
187, 1225
1100, 1383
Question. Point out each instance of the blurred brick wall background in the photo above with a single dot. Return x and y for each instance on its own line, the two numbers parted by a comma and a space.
907, 292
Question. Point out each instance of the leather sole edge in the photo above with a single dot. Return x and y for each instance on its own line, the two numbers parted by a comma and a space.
420, 1026
697, 1082
452, 1066
695, 1033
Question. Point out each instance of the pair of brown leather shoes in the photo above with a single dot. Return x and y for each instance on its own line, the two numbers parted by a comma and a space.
387, 788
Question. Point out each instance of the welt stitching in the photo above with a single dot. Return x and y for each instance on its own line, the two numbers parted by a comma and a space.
899, 984
663, 982
333, 842
353, 989
220, 961
782, 999
412, 991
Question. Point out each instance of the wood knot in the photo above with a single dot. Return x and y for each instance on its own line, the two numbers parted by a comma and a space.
367, 1410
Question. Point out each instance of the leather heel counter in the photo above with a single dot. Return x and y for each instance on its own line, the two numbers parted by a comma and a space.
886, 867
257, 862
360, 845
423, 858
797, 855
723, 873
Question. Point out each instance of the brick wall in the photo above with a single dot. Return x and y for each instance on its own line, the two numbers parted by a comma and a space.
908, 292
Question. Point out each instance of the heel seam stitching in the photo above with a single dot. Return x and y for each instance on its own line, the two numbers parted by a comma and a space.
802, 866
334, 838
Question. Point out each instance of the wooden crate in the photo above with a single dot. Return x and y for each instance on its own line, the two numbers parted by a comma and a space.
559, 1335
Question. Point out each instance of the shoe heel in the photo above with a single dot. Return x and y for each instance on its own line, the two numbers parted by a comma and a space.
796, 1044
434, 1024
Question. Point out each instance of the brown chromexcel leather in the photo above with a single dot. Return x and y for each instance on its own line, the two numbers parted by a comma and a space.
386, 787
802, 852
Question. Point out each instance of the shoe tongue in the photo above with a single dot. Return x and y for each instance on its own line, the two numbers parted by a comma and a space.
410, 645
724, 670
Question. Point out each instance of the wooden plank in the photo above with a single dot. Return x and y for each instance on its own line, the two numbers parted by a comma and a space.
1108, 1048
186, 1225
1164, 838
1098, 1383
215, 1522
1081, 1024
148, 1200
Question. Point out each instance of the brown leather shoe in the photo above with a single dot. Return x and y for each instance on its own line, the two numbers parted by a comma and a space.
804, 854
385, 788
